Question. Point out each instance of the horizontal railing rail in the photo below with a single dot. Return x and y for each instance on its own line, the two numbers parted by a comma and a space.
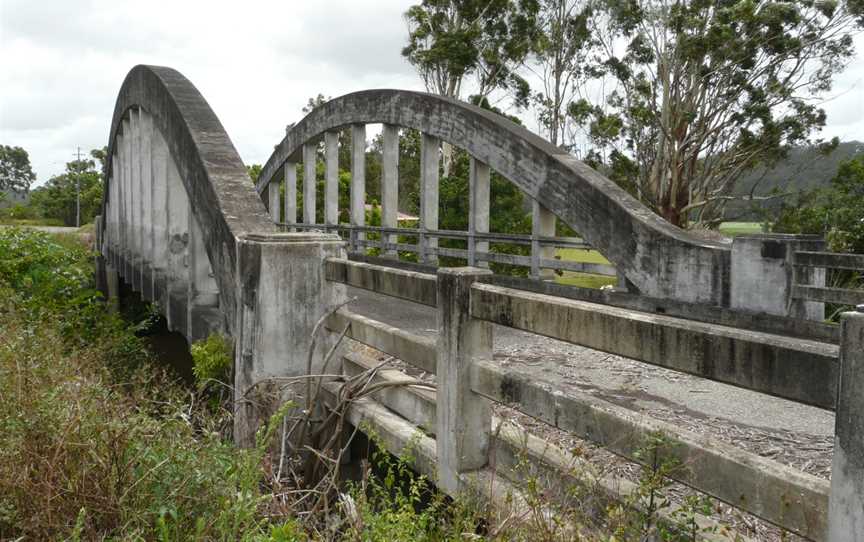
832, 260
357, 245
829, 260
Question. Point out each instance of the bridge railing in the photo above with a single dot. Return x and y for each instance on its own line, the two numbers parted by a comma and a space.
820, 262
358, 244
468, 378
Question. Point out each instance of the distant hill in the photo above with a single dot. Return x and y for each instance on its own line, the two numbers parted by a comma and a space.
804, 169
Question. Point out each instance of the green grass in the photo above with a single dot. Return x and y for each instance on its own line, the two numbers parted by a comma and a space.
584, 280
6, 221
740, 228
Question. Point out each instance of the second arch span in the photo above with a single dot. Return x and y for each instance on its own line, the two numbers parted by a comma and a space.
659, 259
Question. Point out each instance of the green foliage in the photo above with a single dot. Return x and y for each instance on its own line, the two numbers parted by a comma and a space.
836, 211
561, 56
254, 171
704, 91
57, 199
15, 170
398, 504
89, 451
450, 40
213, 360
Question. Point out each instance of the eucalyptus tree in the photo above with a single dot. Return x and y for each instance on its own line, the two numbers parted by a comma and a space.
483, 42
705, 90
560, 61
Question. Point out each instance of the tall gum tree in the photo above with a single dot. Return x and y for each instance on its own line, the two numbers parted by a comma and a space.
484, 41
705, 90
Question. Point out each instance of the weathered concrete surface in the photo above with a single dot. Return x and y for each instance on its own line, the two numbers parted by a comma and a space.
208, 165
661, 260
614, 378
801, 370
283, 293
763, 487
418, 350
763, 275
514, 453
463, 417
409, 285
768, 323
846, 512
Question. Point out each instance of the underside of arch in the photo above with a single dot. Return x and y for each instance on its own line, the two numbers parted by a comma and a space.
661, 260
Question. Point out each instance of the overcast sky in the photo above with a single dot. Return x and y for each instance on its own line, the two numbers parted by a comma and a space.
256, 63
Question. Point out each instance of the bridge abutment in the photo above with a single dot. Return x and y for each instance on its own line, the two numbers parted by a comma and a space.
282, 293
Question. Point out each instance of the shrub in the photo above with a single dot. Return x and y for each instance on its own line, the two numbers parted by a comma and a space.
213, 361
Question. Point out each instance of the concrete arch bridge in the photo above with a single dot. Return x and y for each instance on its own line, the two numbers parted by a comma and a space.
183, 225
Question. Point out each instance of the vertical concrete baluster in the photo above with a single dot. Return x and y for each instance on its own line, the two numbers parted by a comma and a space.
290, 180
478, 217
846, 504
135, 195
463, 418
127, 201
178, 240
114, 208
310, 178
429, 160
275, 205
331, 178
159, 157
203, 293
358, 182
146, 191
542, 225
390, 184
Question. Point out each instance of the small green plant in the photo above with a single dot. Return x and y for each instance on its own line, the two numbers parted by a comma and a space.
212, 359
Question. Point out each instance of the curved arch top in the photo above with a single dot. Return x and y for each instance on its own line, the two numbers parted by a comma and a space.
220, 193
661, 260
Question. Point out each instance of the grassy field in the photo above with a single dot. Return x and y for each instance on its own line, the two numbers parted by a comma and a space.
740, 228
588, 280
584, 280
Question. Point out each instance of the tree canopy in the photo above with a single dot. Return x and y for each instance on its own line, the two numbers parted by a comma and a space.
703, 91
15, 170
57, 199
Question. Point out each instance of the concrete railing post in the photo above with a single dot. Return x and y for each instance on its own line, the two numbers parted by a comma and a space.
846, 504
762, 275
463, 419
281, 294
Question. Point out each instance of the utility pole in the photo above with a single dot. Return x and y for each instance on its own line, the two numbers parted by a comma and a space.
78, 192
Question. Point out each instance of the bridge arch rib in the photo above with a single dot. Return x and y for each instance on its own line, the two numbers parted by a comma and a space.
658, 258
178, 197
